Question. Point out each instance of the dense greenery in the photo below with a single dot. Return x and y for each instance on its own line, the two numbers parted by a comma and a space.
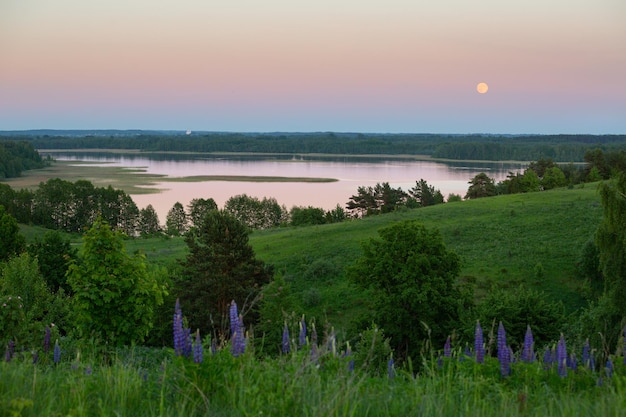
16, 157
562, 148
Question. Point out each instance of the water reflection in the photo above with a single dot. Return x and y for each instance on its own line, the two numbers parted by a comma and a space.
350, 173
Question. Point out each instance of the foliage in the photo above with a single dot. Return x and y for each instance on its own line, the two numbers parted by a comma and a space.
115, 295
481, 186
372, 351
611, 243
148, 223
413, 278
11, 241
16, 157
21, 280
382, 198
277, 306
518, 308
197, 209
255, 213
588, 268
425, 195
306, 216
176, 221
54, 253
220, 267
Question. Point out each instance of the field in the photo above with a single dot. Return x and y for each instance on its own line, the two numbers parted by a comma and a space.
531, 239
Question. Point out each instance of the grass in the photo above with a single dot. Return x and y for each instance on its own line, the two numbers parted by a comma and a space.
143, 382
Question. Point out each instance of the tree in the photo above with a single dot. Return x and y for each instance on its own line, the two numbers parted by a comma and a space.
11, 241
198, 207
411, 276
176, 221
255, 213
148, 224
552, 178
611, 243
481, 186
220, 267
304, 216
54, 254
425, 195
115, 296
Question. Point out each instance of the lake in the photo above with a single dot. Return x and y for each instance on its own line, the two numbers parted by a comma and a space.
349, 173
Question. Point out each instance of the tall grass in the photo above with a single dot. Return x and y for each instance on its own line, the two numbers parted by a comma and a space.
297, 385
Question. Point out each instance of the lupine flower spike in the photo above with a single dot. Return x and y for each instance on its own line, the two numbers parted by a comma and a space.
349, 355
302, 335
561, 357
57, 352
285, 347
528, 354
586, 355
46, 340
447, 349
391, 371
503, 351
197, 348
609, 368
179, 334
479, 348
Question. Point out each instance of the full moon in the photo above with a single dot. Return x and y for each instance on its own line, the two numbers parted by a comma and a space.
482, 88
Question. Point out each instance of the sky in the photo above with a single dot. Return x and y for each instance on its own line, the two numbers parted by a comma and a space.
397, 66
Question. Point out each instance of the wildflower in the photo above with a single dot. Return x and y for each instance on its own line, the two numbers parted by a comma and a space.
528, 355
503, 352
586, 358
313, 343
234, 317
179, 336
35, 357
238, 338
561, 357
478, 343
572, 363
608, 368
285, 344
348, 354
391, 372
7, 355
88, 370
46, 340
447, 350
213, 346
302, 335
187, 348
57, 352
197, 348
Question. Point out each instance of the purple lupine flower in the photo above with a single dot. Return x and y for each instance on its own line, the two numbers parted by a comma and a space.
503, 352
187, 346
586, 355
7, 355
285, 345
348, 354
239, 341
561, 357
391, 371
439, 361
528, 354
447, 349
302, 335
35, 357
179, 334
46, 340
57, 352
213, 346
479, 349
197, 348
234, 317
608, 368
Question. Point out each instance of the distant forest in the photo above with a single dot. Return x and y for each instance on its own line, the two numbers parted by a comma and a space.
16, 157
559, 148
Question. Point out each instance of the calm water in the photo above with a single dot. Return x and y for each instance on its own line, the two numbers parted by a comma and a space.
350, 173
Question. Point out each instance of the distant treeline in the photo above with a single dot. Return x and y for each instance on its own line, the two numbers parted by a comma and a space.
16, 157
559, 148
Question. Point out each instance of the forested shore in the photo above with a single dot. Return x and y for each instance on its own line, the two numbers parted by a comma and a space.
560, 148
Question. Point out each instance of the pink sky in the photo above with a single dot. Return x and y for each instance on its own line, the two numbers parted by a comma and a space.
243, 65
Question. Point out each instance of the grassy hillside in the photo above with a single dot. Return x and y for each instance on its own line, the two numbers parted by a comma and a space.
532, 239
